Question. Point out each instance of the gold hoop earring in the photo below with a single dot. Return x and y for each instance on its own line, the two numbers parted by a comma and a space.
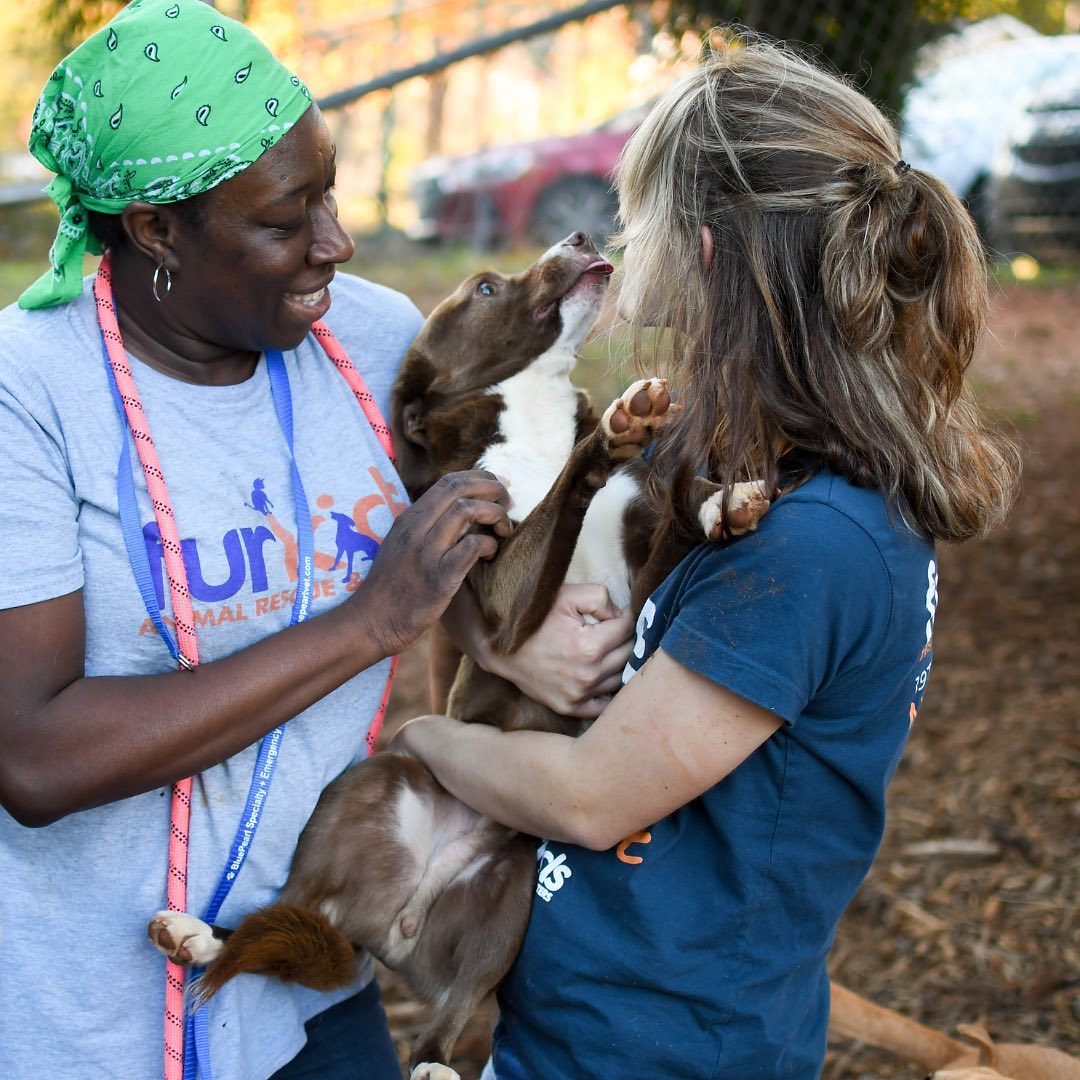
155, 284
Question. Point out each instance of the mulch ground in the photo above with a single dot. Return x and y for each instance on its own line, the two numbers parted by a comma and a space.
970, 912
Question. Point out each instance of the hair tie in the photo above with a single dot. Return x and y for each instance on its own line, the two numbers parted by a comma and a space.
902, 168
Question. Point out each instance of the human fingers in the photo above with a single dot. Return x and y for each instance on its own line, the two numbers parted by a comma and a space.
603, 653
618, 628
469, 483
610, 685
459, 502
602, 671
610, 641
451, 545
588, 599
572, 662
427, 554
590, 708
457, 517
410, 735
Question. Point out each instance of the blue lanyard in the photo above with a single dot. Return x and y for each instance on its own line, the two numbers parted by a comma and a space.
198, 1022
270, 746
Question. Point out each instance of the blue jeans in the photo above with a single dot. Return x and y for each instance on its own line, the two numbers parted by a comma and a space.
503, 1063
349, 1041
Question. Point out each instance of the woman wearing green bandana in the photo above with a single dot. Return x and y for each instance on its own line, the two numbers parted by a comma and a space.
169, 430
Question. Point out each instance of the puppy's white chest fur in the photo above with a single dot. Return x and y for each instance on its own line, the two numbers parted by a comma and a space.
538, 426
599, 557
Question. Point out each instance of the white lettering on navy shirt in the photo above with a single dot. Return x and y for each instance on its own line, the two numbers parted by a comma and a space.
931, 610
552, 874
644, 624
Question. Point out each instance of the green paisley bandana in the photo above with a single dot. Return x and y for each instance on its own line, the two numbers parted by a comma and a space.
166, 101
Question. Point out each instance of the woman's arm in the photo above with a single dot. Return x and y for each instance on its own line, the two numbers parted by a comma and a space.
667, 737
572, 664
72, 742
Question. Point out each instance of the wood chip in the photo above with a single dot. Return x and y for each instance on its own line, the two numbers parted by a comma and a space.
953, 846
921, 915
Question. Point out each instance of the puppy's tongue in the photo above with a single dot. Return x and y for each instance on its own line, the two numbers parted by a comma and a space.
598, 272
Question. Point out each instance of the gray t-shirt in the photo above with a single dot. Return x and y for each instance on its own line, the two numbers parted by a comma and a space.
83, 990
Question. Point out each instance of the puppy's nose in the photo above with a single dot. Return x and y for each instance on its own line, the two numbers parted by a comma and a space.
581, 241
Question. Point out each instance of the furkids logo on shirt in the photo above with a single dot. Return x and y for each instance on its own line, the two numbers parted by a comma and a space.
553, 872
249, 549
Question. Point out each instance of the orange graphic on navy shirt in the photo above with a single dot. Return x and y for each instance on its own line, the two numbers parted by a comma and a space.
637, 838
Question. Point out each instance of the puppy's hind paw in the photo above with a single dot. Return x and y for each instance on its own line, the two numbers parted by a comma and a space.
427, 1070
749, 503
184, 939
631, 421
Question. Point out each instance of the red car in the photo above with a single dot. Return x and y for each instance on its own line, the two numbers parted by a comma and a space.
535, 192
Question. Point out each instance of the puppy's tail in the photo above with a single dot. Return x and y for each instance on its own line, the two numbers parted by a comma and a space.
291, 943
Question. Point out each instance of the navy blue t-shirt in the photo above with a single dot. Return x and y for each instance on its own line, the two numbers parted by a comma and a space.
697, 947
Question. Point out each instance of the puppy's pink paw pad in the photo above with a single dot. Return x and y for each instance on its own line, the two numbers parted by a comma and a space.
632, 420
651, 400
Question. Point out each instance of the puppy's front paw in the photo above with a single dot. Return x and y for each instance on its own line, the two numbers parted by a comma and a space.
749, 504
184, 939
426, 1070
631, 421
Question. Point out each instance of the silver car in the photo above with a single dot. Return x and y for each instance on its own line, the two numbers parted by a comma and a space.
1035, 180
953, 119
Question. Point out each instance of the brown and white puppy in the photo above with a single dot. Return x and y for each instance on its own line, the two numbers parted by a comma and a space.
389, 862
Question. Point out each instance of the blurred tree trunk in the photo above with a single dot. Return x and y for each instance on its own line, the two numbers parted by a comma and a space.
433, 135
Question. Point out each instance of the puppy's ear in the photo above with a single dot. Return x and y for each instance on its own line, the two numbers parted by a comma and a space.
413, 424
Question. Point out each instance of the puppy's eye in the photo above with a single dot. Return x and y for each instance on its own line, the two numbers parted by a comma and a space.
485, 288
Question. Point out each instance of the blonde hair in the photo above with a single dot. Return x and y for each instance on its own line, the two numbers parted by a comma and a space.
843, 301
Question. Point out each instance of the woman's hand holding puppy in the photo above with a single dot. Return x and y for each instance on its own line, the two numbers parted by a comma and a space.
426, 555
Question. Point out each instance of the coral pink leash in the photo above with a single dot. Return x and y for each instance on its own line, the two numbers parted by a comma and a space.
186, 643
340, 358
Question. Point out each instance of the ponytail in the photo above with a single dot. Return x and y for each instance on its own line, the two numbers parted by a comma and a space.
844, 299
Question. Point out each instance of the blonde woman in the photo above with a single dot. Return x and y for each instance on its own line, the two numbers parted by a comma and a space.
706, 833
